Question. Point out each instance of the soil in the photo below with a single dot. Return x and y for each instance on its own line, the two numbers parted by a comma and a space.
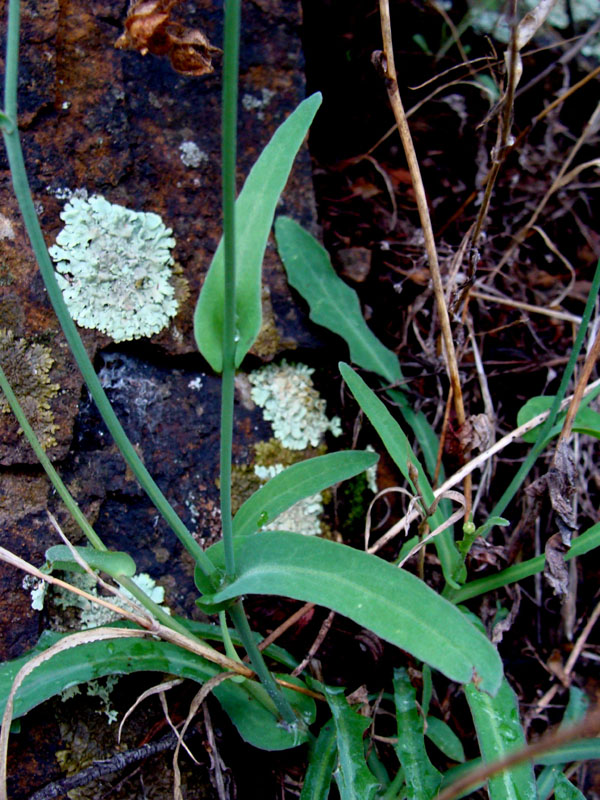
113, 121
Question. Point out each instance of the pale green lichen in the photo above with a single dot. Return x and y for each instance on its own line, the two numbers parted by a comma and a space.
114, 268
303, 517
27, 365
292, 405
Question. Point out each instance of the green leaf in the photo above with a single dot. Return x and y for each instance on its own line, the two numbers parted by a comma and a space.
297, 482
444, 738
581, 545
354, 779
254, 212
422, 778
586, 420
112, 563
399, 448
333, 304
564, 789
499, 732
254, 720
321, 763
391, 602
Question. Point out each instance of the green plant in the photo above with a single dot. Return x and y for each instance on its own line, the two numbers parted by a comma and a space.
277, 710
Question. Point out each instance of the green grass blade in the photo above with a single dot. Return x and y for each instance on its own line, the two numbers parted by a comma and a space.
321, 763
254, 212
333, 304
391, 602
399, 448
422, 778
581, 545
581, 750
297, 482
354, 779
444, 738
499, 732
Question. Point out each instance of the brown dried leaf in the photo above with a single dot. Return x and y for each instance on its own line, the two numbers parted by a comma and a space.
555, 570
149, 29
560, 480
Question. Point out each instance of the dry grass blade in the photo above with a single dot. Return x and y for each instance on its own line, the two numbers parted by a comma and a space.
160, 687
452, 520
389, 70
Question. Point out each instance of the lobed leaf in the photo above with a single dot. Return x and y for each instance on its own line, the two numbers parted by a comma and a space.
422, 778
333, 304
391, 602
321, 763
499, 731
354, 779
254, 212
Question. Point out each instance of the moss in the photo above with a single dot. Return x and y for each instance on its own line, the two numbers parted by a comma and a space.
272, 452
27, 366
268, 341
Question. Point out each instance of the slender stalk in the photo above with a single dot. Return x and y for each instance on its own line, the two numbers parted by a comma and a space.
228, 160
239, 619
8, 123
393, 91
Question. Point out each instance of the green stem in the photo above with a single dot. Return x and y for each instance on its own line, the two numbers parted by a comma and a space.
228, 159
545, 429
23, 193
239, 619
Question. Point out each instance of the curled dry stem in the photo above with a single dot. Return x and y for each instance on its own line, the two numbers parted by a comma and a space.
389, 70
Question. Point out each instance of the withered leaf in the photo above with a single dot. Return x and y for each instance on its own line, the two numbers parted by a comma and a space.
555, 570
561, 487
150, 29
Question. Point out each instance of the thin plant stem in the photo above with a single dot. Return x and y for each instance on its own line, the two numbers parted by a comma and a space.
393, 91
228, 160
239, 619
8, 123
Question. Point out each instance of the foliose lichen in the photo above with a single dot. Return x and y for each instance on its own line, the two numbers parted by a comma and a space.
292, 405
114, 268
27, 365
303, 517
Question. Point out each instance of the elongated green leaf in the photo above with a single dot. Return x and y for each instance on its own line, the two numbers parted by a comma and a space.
399, 448
321, 764
422, 778
354, 779
297, 482
254, 211
588, 541
391, 602
113, 563
255, 721
444, 738
546, 780
499, 731
564, 789
586, 420
332, 302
